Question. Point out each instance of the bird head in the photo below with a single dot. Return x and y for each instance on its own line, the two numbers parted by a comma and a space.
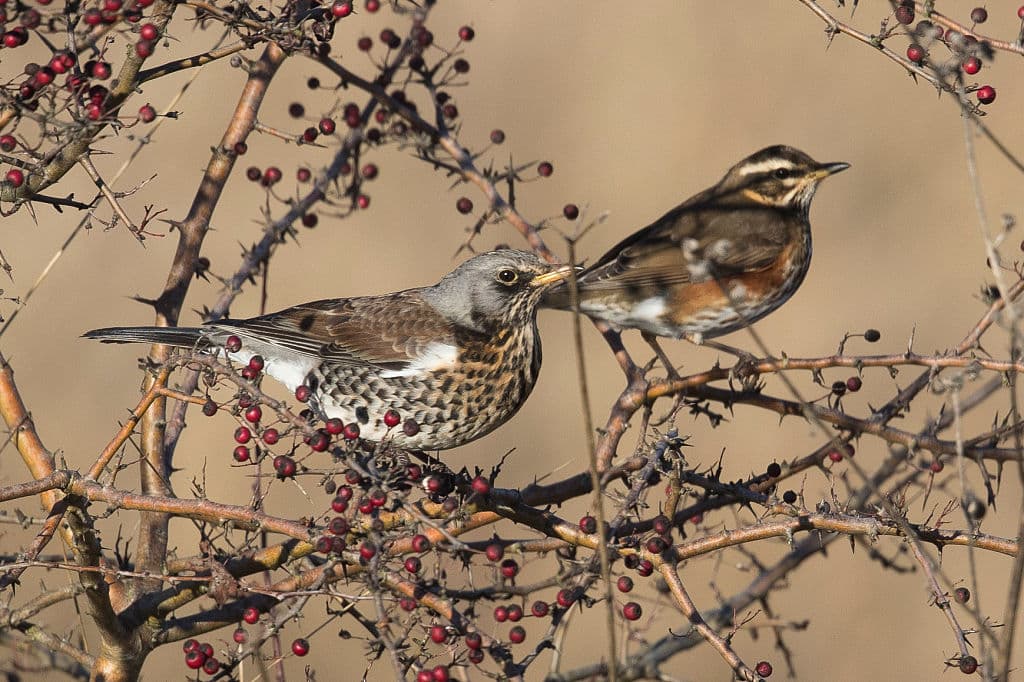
779, 176
495, 288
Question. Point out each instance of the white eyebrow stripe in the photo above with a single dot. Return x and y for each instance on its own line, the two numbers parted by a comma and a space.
766, 166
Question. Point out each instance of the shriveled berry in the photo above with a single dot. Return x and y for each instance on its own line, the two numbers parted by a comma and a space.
968, 665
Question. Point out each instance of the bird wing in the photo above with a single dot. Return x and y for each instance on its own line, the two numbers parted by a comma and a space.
731, 238
389, 331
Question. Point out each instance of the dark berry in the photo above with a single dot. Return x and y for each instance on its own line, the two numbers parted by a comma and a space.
979, 15
905, 14
365, 43
461, 66
872, 335
853, 384
466, 33
763, 669
545, 169
588, 524
413, 564
774, 470
839, 388
464, 205
497, 136
410, 428
571, 211
968, 665
789, 497
962, 595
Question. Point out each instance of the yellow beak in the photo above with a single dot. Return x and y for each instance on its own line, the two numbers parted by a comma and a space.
556, 275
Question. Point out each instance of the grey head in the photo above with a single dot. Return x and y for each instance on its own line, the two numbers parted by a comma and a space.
494, 289
778, 176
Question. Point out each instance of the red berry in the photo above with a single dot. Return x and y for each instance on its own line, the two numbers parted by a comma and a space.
363, 201
243, 435
440, 672
971, 65
365, 506
515, 613
341, 9
271, 175
207, 649
571, 211
979, 15
345, 493
968, 665
391, 419
251, 615
320, 441
853, 384
424, 676
645, 568
413, 564
144, 48
190, 645
1020, 12
339, 505
481, 486
8, 143
632, 611
539, 609
407, 604
936, 466
662, 525
15, 177
233, 344
509, 568
351, 431
464, 205
476, 656
241, 453
588, 524
495, 552
466, 33
370, 171
302, 393
149, 32
310, 134
517, 634
253, 414
500, 614
240, 636
905, 14
334, 426
624, 583
147, 113
420, 543
367, 550
371, 7
656, 545
195, 660
986, 94
763, 669
438, 634
497, 136
365, 43
915, 53
284, 466
565, 598
271, 436
300, 647
211, 666
474, 640
545, 169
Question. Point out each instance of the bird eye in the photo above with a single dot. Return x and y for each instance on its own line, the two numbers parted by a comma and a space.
782, 173
507, 276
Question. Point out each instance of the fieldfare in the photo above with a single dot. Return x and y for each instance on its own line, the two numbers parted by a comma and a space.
455, 360
719, 261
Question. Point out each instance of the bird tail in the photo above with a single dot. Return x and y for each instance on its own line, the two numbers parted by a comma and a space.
183, 337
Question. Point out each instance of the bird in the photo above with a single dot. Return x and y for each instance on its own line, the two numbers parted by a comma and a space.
719, 261
453, 361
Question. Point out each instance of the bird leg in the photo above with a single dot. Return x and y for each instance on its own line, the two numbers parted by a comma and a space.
746, 362
652, 341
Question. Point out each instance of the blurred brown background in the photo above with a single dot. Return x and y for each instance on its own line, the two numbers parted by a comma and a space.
637, 106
